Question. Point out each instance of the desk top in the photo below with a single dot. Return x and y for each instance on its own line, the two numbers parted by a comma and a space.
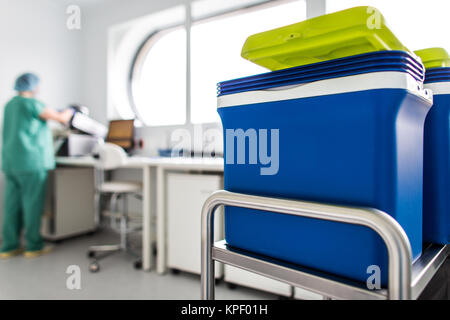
210, 164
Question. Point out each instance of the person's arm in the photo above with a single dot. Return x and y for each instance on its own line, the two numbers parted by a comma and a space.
60, 116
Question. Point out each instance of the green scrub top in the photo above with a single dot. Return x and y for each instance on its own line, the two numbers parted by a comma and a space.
27, 140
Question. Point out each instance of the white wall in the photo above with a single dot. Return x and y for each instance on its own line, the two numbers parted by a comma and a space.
34, 38
96, 21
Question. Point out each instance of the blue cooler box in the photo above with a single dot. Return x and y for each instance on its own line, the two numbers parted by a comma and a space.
436, 214
350, 140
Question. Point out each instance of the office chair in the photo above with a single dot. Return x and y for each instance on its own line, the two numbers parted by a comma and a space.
112, 157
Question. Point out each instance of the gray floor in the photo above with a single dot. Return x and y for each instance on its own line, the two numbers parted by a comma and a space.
45, 277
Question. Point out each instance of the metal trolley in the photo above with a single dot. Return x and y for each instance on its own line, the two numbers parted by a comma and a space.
405, 280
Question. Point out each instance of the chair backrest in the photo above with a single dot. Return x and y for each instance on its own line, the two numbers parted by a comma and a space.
111, 156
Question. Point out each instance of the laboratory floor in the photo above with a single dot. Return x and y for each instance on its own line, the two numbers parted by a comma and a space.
45, 277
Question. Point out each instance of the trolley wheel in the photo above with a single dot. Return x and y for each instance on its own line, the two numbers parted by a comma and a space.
218, 281
91, 254
94, 267
231, 286
138, 264
175, 271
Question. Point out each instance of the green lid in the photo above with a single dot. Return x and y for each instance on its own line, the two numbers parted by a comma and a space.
434, 57
336, 35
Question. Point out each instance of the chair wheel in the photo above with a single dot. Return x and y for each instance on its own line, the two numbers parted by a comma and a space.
138, 264
175, 271
231, 286
94, 267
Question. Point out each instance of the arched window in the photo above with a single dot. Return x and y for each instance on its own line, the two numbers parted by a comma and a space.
158, 87
158, 81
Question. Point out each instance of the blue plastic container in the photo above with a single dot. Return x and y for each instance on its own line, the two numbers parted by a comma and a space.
401, 59
355, 140
436, 214
369, 62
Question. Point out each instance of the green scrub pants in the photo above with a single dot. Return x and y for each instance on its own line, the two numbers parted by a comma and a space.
23, 207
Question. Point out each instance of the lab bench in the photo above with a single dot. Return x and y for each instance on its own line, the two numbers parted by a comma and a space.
68, 213
154, 170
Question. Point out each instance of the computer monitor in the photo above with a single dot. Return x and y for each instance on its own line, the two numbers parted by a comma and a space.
121, 133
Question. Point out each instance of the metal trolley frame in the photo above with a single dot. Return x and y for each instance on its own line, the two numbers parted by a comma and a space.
405, 280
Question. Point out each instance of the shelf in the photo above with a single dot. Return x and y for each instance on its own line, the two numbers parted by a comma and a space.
325, 284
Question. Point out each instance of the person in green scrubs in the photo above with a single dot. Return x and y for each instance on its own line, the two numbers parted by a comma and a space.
27, 155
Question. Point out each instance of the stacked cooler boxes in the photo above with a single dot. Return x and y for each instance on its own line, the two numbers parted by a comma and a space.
436, 212
352, 139
346, 130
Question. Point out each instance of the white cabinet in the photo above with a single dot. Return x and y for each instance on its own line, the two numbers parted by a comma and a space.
70, 208
186, 194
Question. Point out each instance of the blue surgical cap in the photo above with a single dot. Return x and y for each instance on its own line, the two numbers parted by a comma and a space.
26, 82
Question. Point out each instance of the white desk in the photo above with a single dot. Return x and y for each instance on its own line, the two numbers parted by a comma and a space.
132, 163
162, 165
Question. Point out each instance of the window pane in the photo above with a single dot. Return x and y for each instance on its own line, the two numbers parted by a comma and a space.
216, 52
160, 90
418, 24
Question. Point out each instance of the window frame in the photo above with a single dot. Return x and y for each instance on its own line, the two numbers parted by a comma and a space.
137, 63
144, 48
